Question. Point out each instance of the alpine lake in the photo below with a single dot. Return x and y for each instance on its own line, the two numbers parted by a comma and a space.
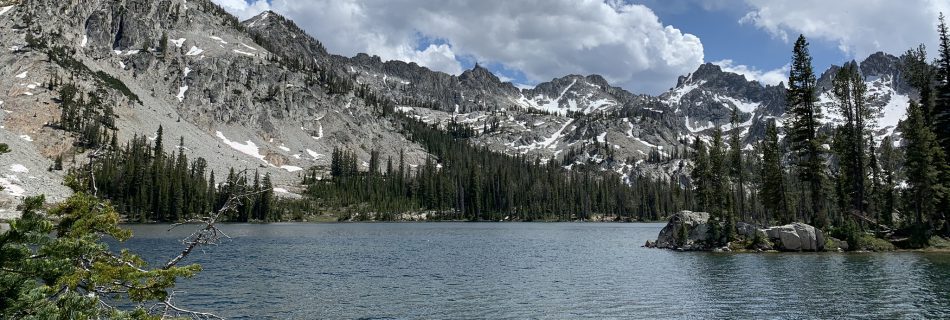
531, 271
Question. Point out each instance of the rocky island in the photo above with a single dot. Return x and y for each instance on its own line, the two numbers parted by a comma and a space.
692, 231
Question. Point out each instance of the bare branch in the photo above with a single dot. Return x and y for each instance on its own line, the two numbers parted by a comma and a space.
171, 309
209, 234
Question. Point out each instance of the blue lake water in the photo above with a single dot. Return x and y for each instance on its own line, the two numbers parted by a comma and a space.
532, 271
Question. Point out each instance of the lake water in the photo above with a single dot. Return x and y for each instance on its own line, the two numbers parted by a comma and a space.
532, 271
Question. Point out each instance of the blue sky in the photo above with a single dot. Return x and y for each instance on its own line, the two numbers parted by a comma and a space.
724, 37
640, 45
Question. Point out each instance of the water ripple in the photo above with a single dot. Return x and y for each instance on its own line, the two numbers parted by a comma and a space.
534, 271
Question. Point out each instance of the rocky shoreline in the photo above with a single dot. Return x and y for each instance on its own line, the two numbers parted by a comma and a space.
690, 231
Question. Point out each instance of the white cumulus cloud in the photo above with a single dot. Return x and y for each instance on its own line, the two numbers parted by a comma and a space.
542, 39
769, 77
858, 27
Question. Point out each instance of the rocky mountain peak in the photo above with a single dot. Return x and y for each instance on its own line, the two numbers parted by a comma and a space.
479, 74
284, 33
598, 80
879, 64
480, 79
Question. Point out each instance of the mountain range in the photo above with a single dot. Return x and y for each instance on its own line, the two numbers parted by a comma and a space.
263, 94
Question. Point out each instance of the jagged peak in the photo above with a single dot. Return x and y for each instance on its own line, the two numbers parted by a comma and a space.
262, 16
880, 63
479, 72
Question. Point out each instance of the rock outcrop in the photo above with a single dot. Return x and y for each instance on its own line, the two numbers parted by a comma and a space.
693, 237
687, 230
797, 237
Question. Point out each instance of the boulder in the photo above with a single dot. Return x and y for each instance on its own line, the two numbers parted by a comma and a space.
746, 229
695, 224
796, 237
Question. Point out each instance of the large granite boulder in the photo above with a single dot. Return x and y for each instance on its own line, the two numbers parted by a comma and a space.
797, 237
672, 235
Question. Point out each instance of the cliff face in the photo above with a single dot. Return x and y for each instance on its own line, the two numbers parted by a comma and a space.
254, 94
208, 82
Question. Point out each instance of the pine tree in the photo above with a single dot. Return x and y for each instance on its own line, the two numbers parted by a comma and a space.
736, 167
773, 181
888, 164
721, 209
266, 199
700, 176
851, 145
925, 163
941, 109
919, 74
805, 117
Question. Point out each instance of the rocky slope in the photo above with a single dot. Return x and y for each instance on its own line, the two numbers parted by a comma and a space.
243, 94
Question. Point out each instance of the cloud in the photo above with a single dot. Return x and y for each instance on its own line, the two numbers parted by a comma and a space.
769, 77
858, 27
542, 39
242, 9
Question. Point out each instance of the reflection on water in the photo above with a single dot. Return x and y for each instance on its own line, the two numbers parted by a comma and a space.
533, 270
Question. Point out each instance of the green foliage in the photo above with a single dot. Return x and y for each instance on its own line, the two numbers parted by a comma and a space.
714, 233
466, 182
803, 133
64, 270
925, 166
4, 148
63, 56
111, 82
773, 192
91, 121
870, 243
737, 169
941, 109
147, 184
682, 235
850, 144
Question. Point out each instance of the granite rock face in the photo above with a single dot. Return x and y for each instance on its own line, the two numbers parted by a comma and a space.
672, 236
797, 237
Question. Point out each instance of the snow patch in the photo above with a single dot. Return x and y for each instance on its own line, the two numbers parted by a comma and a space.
314, 154
244, 53
677, 94
689, 127
249, 47
85, 40
743, 106
281, 190
291, 168
5, 9
194, 51
218, 39
177, 42
22, 75
282, 147
26, 137
552, 106
181, 93
19, 168
248, 147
